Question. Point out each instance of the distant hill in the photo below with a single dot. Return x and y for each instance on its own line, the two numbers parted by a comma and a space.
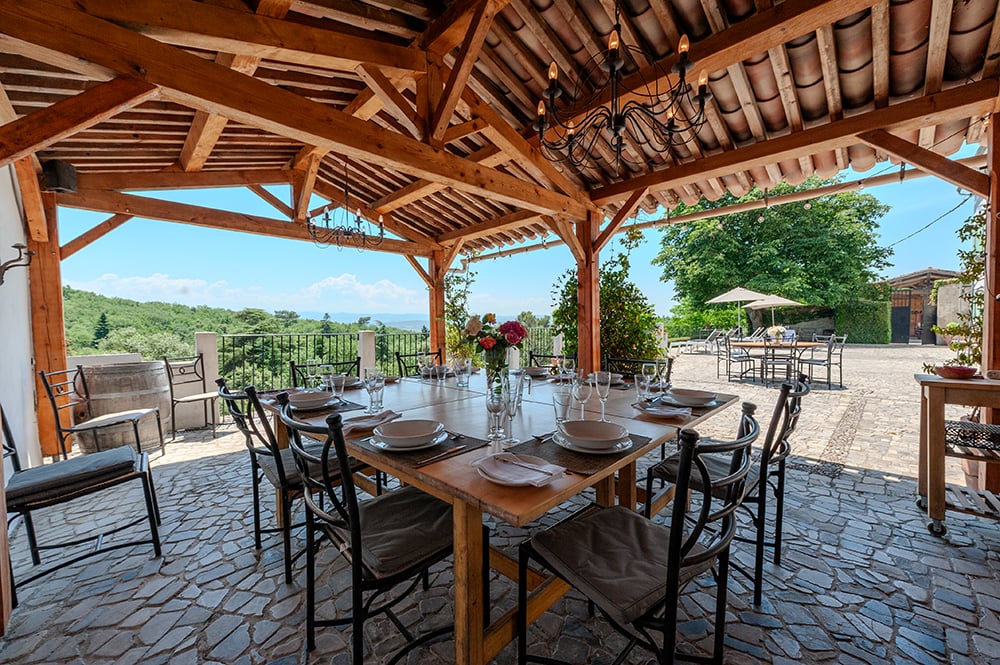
96, 322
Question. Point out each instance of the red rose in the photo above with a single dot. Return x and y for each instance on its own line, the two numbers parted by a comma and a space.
487, 343
512, 338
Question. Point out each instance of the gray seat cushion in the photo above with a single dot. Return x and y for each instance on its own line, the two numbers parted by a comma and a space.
67, 477
291, 479
403, 529
616, 558
718, 467
109, 419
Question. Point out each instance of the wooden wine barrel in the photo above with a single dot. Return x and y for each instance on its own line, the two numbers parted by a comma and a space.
123, 387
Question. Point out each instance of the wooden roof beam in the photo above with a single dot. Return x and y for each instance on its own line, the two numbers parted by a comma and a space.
183, 213
479, 25
567, 234
190, 80
937, 52
392, 100
504, 223
31, 199
623, 214
92, 234
273, 200
44, 127
968, 100
303, 183
968, 179
143, 181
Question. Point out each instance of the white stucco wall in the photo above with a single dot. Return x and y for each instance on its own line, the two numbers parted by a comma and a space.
17, 381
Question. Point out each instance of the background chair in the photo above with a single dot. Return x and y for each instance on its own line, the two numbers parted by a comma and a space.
300, 376
633, 569
779, 359
39, 487
735, 359
628, 367
70, 400
829, 356
190, 371
409, 364
390, 540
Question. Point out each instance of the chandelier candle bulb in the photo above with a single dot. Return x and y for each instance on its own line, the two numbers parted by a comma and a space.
684, 45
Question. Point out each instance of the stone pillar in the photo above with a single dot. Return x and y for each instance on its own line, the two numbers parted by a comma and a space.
366, 348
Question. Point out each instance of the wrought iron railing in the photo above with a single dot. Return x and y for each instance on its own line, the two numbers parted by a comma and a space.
387, 344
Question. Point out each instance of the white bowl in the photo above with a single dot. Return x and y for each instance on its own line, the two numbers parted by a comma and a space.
408, 433
690, 397
309, 399
592, 433
536, 371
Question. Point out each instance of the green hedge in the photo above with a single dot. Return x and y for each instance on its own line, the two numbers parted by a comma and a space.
865, 322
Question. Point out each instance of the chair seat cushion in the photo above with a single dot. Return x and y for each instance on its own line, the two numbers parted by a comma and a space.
49, 481
200, 397
404, 529
718, 467
291, 477
109, 419
615, 557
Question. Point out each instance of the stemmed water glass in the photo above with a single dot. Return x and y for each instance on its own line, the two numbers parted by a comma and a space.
581, 392
312, 373
569, 367
602, 382
495, 408
649, 373
375, 385
326, 376
511, 393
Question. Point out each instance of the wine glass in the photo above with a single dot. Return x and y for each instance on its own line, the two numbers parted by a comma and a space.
649, 373
602, 382
511, 393
581, 392
569, 366
311, 370
326, 376
663, 371
422, 368
375, 385
495, 408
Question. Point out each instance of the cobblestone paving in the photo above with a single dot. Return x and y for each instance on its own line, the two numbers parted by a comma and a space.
861, 580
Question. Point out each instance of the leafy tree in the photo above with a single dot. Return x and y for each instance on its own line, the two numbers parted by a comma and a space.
150, 347
628, 319
257, 321
102, 328
287, 316
531, 321
456, 312
326, 326
825, 255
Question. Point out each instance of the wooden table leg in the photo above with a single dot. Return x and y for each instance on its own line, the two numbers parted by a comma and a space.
922, 457
469, 601
935, 455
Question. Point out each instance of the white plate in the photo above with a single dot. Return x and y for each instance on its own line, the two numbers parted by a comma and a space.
618, 447
664, 398
661, 411
316, 407
527, 459
382, 445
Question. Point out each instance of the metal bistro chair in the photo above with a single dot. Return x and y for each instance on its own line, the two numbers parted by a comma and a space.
736, 359
829, 356
628, 367
391, 540
70, 399
48, 485
190, 371
408, 362
299, 376
779, 357
634, 569
544, 359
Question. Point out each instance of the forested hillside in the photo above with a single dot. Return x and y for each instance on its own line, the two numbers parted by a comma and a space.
98, 324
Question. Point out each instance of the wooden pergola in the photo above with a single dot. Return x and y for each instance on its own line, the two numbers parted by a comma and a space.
429, 105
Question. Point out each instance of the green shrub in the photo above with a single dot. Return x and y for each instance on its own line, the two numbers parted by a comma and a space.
865, 321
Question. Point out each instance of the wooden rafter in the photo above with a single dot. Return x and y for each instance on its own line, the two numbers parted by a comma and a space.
619, 219
419, 189
568, 235
505, 223
183, 213
880, 53
189, 80
31, 199
479, 25
92, 234
969, 179
42, 128
392, 100
273, 200
972, 99
421, 271
937, 52
303, 183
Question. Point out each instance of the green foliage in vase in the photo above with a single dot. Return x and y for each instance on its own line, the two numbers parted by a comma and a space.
825, 255
628, 319
967, 332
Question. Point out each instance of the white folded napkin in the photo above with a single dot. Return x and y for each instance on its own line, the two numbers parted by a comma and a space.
369, 421
663, 411
509, 468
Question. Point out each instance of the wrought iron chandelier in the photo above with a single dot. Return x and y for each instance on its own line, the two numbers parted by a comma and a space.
653, 119
345, 232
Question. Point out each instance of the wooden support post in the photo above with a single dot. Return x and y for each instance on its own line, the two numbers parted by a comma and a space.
588, 293
990, 473
48, 330
437, 268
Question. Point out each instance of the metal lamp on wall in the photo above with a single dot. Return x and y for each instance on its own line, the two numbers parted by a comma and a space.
22, 260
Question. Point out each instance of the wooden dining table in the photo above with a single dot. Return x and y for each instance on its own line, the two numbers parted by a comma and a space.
456, 481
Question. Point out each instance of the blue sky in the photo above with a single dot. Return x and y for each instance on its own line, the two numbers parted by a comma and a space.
150, 260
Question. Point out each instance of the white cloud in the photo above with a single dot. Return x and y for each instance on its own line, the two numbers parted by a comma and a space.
332, 294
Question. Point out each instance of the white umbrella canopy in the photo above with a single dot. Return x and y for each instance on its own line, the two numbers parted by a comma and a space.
772, 301
737, 295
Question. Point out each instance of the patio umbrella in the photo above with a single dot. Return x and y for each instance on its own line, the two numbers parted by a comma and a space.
772, 301
737, 295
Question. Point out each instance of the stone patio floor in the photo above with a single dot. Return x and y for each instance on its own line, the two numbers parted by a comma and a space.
861, 581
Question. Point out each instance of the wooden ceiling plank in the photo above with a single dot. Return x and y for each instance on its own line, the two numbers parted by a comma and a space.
971, 99
545, 35
619, 219
447, 30
141, 181
991, 67
937, 52
880, 53
421, 272
64, 118
479, 26
482, 229
92, 234
183, 213
462, 130
363, 15
31, 199
273, 200
968, 179
392, 100
191, 81
786, 86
